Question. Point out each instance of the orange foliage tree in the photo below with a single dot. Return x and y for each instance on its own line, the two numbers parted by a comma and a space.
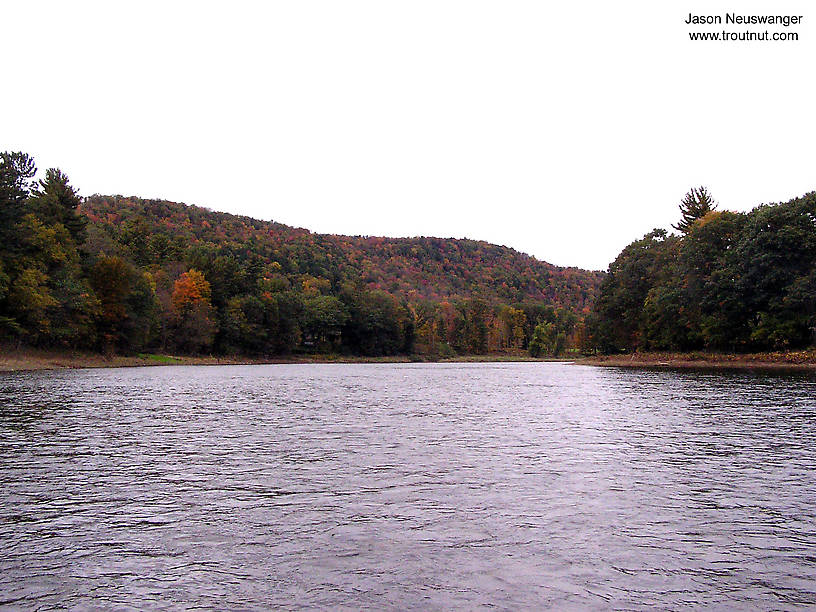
194, 324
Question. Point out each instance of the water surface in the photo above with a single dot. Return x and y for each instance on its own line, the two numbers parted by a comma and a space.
407, 486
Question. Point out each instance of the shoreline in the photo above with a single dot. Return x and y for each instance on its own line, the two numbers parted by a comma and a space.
30, 359
804, 360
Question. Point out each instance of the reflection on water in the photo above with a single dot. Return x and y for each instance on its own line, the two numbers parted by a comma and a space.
407, 486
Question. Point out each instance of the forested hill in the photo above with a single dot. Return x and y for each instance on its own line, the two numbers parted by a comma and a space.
118, 274
158, 232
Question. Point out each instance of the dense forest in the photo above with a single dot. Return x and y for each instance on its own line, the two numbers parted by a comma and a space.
117, 274
727, 282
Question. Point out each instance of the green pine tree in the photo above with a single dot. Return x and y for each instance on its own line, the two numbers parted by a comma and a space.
696, 204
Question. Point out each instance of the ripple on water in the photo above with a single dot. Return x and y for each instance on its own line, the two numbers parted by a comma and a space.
430, 486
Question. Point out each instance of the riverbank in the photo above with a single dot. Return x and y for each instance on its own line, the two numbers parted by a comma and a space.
22, 359
781, 360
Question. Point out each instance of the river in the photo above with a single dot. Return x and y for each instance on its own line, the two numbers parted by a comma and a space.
407, 486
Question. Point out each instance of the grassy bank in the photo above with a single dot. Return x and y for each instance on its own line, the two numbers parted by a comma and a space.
20, 359
40, 359
797, 360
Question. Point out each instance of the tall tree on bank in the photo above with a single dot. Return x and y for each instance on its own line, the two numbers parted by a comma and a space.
696, 204
44, 296
16, 171
53, 200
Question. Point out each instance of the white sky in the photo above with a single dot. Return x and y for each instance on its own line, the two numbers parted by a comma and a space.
563, 129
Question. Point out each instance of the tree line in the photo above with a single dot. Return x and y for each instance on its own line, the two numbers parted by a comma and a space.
727, 281
123, 275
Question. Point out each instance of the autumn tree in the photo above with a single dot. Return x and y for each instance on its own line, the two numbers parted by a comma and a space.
193, 326
127, 317
426, 315
512, 323
476, 326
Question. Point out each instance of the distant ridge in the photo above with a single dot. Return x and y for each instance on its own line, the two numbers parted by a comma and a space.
154, 232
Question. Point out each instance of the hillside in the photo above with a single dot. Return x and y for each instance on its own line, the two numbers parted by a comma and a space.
125, 275
153, 232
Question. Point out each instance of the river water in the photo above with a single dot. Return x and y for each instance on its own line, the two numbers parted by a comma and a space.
408, 486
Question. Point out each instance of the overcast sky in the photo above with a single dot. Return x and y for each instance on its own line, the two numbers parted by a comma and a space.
562, 129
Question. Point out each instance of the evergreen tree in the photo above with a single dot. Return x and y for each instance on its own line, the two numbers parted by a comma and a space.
54, 200
16, 171
696, 204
